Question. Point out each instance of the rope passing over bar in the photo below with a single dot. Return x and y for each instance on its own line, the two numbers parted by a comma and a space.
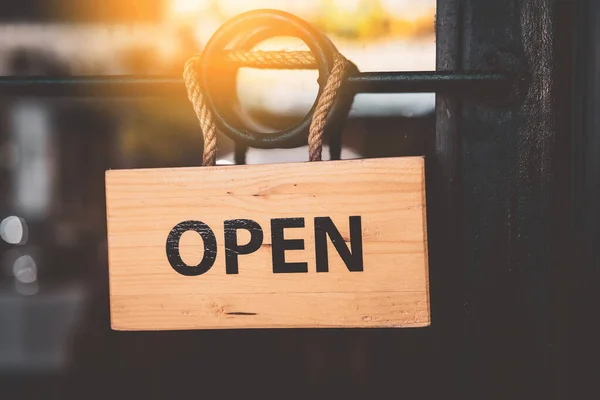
267, 60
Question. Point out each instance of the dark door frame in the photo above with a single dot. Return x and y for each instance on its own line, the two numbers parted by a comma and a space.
498, 232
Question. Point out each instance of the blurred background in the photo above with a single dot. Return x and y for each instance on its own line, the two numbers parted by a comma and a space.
55, 337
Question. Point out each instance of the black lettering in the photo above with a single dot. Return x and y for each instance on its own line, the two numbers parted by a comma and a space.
280, 245
210, 248
232, 249
324, 227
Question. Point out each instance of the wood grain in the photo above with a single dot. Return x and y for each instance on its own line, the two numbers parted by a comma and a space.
388, 194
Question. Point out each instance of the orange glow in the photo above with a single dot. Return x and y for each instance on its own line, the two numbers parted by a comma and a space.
347, 6
357, 20
299, 7
187, 8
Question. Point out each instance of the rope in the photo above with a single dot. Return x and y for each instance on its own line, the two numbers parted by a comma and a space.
324, 105
203, 113
272, 59
267, 59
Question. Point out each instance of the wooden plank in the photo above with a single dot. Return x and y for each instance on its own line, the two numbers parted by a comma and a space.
384, 285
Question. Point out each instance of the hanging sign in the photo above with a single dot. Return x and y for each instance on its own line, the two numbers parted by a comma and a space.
298, 245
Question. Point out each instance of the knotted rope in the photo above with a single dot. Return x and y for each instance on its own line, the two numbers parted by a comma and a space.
272, 60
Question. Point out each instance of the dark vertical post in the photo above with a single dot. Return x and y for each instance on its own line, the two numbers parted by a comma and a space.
585, 266
239, 155
507, 167
443, 210
562, 249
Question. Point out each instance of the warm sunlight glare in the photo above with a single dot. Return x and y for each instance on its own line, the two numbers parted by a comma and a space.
350, 6
182, 8
299, 7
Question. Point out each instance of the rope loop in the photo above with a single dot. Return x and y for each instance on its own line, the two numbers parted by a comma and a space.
267, 60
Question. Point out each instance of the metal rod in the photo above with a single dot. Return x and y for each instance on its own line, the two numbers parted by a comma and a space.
429, 82
462, 83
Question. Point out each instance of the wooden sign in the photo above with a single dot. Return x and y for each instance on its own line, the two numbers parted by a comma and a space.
324, 244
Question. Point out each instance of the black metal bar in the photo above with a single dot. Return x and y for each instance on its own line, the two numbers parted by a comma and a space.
239, 154
92, 86
367, 82
429, 82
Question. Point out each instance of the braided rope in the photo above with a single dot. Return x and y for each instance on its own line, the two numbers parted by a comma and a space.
324, 106
203, 113
268, 59
272, 59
